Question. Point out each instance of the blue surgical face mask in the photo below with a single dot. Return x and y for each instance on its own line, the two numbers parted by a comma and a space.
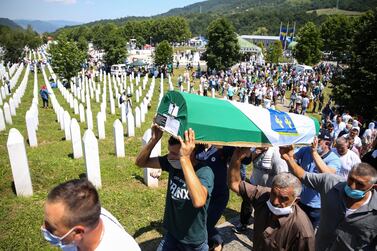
354, 193
319, 150
58, 241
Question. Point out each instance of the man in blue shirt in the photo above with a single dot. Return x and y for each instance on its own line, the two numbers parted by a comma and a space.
317, 158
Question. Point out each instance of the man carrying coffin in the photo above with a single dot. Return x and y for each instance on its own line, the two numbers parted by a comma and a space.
189, 188
280, 224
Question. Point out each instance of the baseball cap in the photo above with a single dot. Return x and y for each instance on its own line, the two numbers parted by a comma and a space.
324, 134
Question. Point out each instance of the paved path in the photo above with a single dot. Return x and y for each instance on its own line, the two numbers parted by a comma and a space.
233, 241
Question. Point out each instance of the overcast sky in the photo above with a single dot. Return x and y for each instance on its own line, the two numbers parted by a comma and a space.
86, 10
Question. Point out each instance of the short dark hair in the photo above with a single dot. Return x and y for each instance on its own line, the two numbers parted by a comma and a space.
173, 141
81, 202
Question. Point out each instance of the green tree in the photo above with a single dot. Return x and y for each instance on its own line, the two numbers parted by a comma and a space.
223, 50
337, 33
275, 52
82, 44
355, 88
14, 41
261, 31
309, 44
163, 54
66, 58
115, 48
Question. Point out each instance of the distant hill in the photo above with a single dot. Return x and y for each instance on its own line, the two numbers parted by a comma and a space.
234, 6
9, 23
45, 26
334, 11
248, 16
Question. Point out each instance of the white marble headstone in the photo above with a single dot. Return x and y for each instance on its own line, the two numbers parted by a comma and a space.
118, 138
7, 114
130, 124
137, 117
2, 121
100, 126
76, 139
19, 163
67, 124
89, 119
148, 172
30, 127
91, 156
82, 113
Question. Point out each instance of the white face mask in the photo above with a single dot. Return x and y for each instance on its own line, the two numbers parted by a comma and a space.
175, 163
279, 210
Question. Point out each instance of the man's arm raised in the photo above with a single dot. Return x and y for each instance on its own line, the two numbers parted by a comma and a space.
287, 154
144, 159
234, 176
198, 192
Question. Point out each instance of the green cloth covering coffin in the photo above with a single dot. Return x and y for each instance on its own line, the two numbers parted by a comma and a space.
224, 122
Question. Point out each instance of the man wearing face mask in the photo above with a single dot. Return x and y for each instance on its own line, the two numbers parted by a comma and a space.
279, 223
189, 188
317, 158
75, 221
348, 207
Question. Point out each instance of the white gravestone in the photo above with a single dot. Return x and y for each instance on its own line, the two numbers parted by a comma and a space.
12, 107
30, 127
150, 173
7, 115
76, 139
75, 106
67, 124
137, 117
123, 114
130, 124
103, 111
19, 163
100, 126
89, 119
82, 113
91, 156
61, 112
118, 138
2, 121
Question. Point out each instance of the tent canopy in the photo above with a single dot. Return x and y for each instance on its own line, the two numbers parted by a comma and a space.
224, 122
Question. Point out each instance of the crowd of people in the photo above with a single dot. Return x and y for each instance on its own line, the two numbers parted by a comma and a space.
318, 197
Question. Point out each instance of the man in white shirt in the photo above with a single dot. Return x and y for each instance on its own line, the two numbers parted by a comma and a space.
74, 220
347, 157
353, 136
339, 126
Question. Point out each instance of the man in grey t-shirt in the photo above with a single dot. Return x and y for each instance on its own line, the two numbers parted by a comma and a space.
348, 207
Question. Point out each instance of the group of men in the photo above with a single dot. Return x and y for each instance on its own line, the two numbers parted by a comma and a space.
319, 197
300, 201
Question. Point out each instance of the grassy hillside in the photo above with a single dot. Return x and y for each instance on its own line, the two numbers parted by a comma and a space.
334, 11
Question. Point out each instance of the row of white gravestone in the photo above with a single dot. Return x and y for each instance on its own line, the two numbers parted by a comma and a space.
31, 116
9, 109
20, 166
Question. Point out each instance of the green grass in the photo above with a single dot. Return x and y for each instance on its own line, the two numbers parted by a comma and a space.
334, 11
139, 208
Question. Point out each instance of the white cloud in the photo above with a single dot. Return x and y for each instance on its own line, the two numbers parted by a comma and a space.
61, 1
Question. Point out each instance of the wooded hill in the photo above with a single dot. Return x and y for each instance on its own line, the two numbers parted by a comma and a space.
248, 16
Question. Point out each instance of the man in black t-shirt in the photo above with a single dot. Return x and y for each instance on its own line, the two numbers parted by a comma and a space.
189, 188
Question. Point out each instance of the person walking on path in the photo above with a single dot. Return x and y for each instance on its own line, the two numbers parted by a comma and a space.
44, 95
